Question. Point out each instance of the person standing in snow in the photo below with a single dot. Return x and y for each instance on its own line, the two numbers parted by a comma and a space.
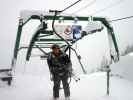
60, 67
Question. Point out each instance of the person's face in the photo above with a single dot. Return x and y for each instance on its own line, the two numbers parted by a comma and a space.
56, 51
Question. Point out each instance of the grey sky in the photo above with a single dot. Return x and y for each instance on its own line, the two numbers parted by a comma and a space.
10, 9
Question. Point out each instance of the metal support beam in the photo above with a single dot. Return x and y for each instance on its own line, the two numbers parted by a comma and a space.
31, 44
52, 39
83, 69
42, 50
108, 80
17, 42
18, 37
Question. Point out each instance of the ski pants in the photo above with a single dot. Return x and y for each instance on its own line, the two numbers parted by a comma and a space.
57, 80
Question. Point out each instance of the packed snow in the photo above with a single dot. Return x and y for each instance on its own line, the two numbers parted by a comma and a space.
90, 87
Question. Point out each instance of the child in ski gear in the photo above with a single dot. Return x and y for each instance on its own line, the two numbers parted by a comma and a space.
60, 68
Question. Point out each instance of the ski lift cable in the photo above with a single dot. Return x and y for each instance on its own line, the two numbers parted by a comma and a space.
124, 18
98, 11
71, 5
107, 7
84, 7
59, 12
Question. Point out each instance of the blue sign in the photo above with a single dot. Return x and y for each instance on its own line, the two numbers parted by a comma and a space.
76, 30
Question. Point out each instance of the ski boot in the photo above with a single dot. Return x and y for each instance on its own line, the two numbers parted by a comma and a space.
67, 98
55, 98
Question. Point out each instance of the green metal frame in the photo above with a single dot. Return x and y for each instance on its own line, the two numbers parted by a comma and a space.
38, 40
42, 32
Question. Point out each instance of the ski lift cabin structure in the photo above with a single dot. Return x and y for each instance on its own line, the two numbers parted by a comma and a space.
63, 35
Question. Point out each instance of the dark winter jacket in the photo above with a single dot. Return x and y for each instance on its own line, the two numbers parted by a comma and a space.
59, 65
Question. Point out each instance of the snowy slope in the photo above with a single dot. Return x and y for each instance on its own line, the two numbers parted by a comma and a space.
124, 67
90, 87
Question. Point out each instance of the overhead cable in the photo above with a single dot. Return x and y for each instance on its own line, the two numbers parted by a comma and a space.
59, 12
107, 7
71, 5
84, 7
128, 17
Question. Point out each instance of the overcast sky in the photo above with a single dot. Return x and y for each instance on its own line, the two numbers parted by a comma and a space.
112, 9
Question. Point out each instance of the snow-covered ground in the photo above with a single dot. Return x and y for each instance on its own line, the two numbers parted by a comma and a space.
124, 67
90, 87
32, 82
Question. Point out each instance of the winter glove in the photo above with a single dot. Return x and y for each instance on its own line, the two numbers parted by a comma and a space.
51, 77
